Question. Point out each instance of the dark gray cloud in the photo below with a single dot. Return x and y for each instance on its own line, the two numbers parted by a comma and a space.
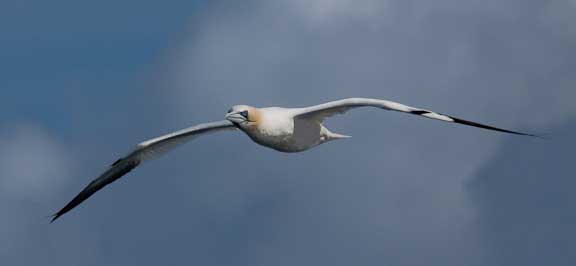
397, 193
402, 192
525, 200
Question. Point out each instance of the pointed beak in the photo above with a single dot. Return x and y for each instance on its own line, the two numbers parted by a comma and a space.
235, 118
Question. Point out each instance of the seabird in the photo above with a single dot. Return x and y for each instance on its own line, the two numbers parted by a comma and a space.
282, 129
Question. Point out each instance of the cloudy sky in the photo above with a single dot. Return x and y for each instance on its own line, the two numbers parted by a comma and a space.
83, 82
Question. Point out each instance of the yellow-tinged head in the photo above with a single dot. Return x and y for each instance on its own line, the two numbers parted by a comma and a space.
244, 116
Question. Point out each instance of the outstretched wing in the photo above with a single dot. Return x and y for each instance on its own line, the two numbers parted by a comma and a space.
145, 150
323, 111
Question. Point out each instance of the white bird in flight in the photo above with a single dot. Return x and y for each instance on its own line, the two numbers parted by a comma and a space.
282, 129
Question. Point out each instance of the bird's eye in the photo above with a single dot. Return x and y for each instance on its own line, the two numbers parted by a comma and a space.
244, 114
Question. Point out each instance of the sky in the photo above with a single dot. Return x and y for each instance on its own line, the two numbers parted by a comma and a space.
84, 82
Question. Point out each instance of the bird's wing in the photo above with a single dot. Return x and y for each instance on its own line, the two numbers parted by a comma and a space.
145, 150
322, 111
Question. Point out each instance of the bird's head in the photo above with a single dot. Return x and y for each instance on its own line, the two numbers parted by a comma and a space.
244, 116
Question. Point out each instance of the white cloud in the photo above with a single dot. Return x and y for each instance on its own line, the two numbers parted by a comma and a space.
33, 165
322, 12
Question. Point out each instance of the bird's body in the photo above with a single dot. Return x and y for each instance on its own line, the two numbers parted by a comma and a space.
282, 129
274, 129
278, 129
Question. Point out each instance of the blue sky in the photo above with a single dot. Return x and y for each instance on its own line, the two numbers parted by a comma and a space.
83, 82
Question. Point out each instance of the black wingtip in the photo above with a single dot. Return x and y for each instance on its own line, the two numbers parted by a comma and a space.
524, 134
474, 124
540, 136
535, 136
55, 217
118, 169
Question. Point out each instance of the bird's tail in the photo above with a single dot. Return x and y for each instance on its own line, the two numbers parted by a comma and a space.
338, 136
334, 136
